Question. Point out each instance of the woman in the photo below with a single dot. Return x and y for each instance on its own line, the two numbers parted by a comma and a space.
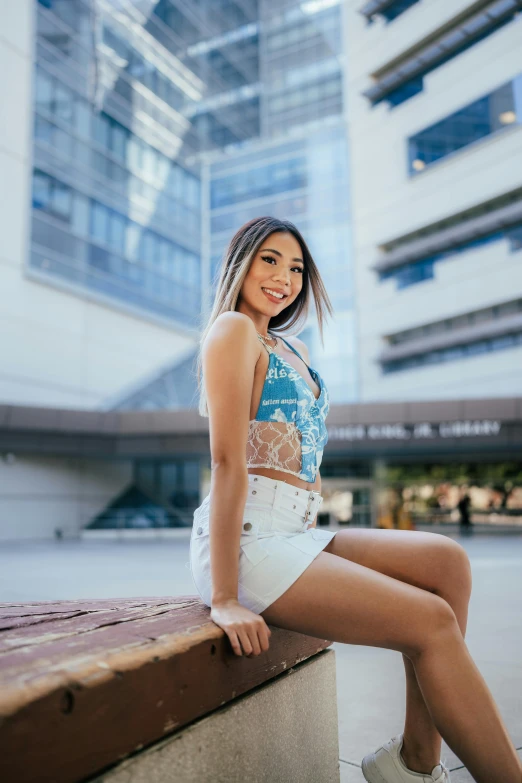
402, 590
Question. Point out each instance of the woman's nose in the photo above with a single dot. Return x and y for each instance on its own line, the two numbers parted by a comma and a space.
280, 274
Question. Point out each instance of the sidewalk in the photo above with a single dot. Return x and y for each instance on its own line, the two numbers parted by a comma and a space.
370, 681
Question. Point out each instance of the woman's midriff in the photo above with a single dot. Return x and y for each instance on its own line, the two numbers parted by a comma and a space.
279, 475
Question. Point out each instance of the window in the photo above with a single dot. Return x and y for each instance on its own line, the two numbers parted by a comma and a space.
41, 190
80, 215
63, 103
118, 140
101, 129
395, 9
256, 183
479, 119
82, 119
43, 92
100, 223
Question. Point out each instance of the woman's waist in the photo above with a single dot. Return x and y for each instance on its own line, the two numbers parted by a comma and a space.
274, 474
272, 505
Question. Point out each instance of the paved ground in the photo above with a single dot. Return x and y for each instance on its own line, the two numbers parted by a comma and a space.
370, 680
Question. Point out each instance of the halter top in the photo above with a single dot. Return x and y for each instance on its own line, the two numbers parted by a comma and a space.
289, 431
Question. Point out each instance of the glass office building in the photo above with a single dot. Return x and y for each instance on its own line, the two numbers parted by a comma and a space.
161, 127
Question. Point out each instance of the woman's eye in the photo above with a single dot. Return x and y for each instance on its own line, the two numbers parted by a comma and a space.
271, 258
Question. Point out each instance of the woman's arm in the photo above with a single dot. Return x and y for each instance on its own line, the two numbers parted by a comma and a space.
229, 357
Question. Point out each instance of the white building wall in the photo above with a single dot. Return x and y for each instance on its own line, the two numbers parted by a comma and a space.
56, 348
39, 495
388, 203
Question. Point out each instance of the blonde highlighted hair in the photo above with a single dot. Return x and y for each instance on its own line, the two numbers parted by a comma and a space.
239, 255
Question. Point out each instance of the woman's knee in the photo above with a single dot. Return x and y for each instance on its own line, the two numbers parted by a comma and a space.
455, 569
436, 621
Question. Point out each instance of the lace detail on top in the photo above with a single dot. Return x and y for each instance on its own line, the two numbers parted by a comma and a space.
274, 444
289, 431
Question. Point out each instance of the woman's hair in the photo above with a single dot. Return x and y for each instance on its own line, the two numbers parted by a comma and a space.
240, 253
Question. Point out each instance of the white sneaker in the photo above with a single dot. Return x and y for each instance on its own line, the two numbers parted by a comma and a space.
386, 766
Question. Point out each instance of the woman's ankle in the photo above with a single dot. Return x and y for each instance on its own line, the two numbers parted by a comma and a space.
417, 759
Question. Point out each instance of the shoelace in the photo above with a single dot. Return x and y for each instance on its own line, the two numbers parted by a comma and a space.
444, 776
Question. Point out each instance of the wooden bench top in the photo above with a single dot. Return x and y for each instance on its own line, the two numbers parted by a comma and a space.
85, 683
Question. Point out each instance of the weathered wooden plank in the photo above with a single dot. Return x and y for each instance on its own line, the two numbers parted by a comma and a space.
84, 684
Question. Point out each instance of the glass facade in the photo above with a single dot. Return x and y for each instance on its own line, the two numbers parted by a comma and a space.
301, 51
307, 182
490, 114
127, 95
298, 169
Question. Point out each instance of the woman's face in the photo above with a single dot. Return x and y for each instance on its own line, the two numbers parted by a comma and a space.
278, 267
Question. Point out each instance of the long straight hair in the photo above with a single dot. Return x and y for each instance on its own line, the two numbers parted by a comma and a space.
237, 260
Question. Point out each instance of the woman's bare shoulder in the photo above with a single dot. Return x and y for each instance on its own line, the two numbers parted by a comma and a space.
233, 329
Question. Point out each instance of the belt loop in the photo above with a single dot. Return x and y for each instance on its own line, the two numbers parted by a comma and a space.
310, 499
278, 493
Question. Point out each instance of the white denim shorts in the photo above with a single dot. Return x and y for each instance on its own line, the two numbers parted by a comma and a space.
276, 543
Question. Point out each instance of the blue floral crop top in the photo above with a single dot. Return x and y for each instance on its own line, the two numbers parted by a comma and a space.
289, 431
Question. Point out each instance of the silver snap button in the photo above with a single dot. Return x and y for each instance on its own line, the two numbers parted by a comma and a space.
247, 526
297, 493
200, 530
295, 506
254, 491
255, 479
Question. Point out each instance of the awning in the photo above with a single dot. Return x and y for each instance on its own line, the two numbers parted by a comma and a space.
446, 239
483, 331
427, 54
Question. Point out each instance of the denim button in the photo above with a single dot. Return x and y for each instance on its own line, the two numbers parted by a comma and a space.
247, 526
200, 530
254, 491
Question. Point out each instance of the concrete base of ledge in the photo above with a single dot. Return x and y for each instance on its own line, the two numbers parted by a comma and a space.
285, 731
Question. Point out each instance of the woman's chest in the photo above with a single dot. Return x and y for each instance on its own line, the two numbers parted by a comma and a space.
280, 391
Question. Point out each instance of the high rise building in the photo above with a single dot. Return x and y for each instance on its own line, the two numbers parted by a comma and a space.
434, 90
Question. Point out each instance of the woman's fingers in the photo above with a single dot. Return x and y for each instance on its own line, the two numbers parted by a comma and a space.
234, 641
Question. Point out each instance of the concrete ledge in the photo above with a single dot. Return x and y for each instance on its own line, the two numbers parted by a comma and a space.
84, 684
284, 732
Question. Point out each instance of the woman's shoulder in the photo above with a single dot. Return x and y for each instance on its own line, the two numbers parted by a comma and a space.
233, 328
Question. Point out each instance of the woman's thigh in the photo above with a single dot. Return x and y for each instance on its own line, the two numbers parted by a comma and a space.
430, 561
342, 601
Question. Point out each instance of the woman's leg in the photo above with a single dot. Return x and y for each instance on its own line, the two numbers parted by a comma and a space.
343, 601
434, 563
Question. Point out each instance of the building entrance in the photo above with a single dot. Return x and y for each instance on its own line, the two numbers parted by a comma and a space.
347, 501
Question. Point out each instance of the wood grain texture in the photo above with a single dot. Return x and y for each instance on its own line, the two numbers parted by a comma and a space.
84, 684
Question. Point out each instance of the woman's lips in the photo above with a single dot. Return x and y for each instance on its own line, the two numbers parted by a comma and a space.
273, 298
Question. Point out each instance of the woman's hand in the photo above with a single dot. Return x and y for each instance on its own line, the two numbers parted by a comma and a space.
247, 631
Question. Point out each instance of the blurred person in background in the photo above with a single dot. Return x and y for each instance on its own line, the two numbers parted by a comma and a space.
463, 506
